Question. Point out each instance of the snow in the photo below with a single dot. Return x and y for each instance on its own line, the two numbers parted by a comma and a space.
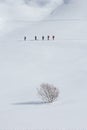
27, 10
24, 65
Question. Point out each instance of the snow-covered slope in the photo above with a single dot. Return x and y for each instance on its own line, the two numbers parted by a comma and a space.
27, 9
63, 62
24, 10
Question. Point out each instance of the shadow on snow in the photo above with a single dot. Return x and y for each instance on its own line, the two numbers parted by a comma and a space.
30, 103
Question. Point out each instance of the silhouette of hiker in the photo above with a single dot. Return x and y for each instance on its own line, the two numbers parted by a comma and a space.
53, 37
48, 37
25, 38
35, 37
42, 37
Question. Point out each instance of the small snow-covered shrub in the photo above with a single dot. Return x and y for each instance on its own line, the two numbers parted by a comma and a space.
48, 93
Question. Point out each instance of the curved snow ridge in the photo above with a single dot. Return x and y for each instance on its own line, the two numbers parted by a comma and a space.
24, 10
31, 2
71, 10
27, 9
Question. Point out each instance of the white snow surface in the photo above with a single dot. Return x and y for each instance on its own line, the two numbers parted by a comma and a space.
25, 65
27, 9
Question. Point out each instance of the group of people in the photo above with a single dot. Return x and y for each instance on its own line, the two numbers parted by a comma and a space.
43, 38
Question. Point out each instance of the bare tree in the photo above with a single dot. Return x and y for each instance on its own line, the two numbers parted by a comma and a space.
48, 92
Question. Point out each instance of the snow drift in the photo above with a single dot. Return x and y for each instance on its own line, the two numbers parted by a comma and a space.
24, 10
27, 9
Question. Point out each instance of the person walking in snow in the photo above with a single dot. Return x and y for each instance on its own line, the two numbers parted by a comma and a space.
35, 38
25, 38
48, 37
53, 37
42, 37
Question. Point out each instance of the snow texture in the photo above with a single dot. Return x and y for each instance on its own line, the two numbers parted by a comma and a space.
24, 65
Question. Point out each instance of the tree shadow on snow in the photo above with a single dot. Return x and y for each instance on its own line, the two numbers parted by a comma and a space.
30, 103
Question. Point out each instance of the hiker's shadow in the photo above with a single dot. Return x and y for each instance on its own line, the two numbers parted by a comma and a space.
30, 103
